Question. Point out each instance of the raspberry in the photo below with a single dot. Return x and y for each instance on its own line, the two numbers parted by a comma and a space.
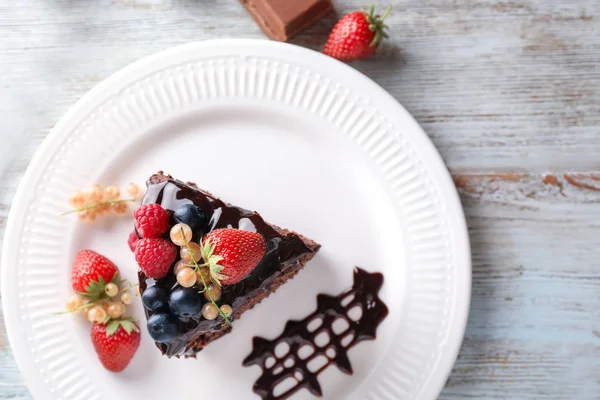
155, 256
132, 240
151, 220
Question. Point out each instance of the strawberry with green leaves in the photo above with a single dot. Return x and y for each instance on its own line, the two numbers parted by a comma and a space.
91, 273
96, 280
231, 254
357, 35
116, 343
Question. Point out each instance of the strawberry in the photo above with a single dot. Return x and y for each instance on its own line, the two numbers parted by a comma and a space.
357, 35
231, 254
116, 343
90, 274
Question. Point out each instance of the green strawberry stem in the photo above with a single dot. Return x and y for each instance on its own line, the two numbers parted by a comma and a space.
376, 25
128, 324
212, 262
83, 307
197, 269
110, 203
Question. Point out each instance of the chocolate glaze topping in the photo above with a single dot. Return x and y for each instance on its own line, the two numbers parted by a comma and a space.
283, 252
300, 339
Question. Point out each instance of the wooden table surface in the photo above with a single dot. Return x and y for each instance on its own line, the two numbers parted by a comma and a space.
509, 92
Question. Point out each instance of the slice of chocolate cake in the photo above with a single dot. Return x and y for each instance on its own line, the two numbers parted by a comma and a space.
181, 312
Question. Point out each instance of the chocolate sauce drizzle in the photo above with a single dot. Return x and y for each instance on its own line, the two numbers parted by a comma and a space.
304, 358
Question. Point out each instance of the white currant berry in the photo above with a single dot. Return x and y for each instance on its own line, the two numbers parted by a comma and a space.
121, 207
116, 309
96, 314
87, 215
186, 277
74, 303
96, 194
179, 265
227, 310
133, 189
102, 208
214, 291
185, 254
126, 298
111, 289
112, 192
177, 237
90, 198
209, 311
77, 199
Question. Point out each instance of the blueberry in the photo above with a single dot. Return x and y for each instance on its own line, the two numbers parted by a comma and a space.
154, 298
185, 302
191, 215
163, 327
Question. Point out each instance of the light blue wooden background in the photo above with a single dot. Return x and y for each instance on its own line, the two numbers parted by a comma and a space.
509, 91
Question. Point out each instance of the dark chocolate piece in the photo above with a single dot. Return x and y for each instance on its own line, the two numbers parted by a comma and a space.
286, 254
282, 19
300, 336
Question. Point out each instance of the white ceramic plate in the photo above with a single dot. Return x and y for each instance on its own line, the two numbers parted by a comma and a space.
307, 141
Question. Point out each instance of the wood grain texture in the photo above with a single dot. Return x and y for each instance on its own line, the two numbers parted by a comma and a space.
507, 90
535, 312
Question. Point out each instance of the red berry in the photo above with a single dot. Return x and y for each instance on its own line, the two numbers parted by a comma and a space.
356, 36
155, 256
90, 267
132, 240
116, 343
151, 220
241, 251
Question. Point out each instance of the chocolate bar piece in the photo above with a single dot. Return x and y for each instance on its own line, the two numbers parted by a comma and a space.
282, 19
